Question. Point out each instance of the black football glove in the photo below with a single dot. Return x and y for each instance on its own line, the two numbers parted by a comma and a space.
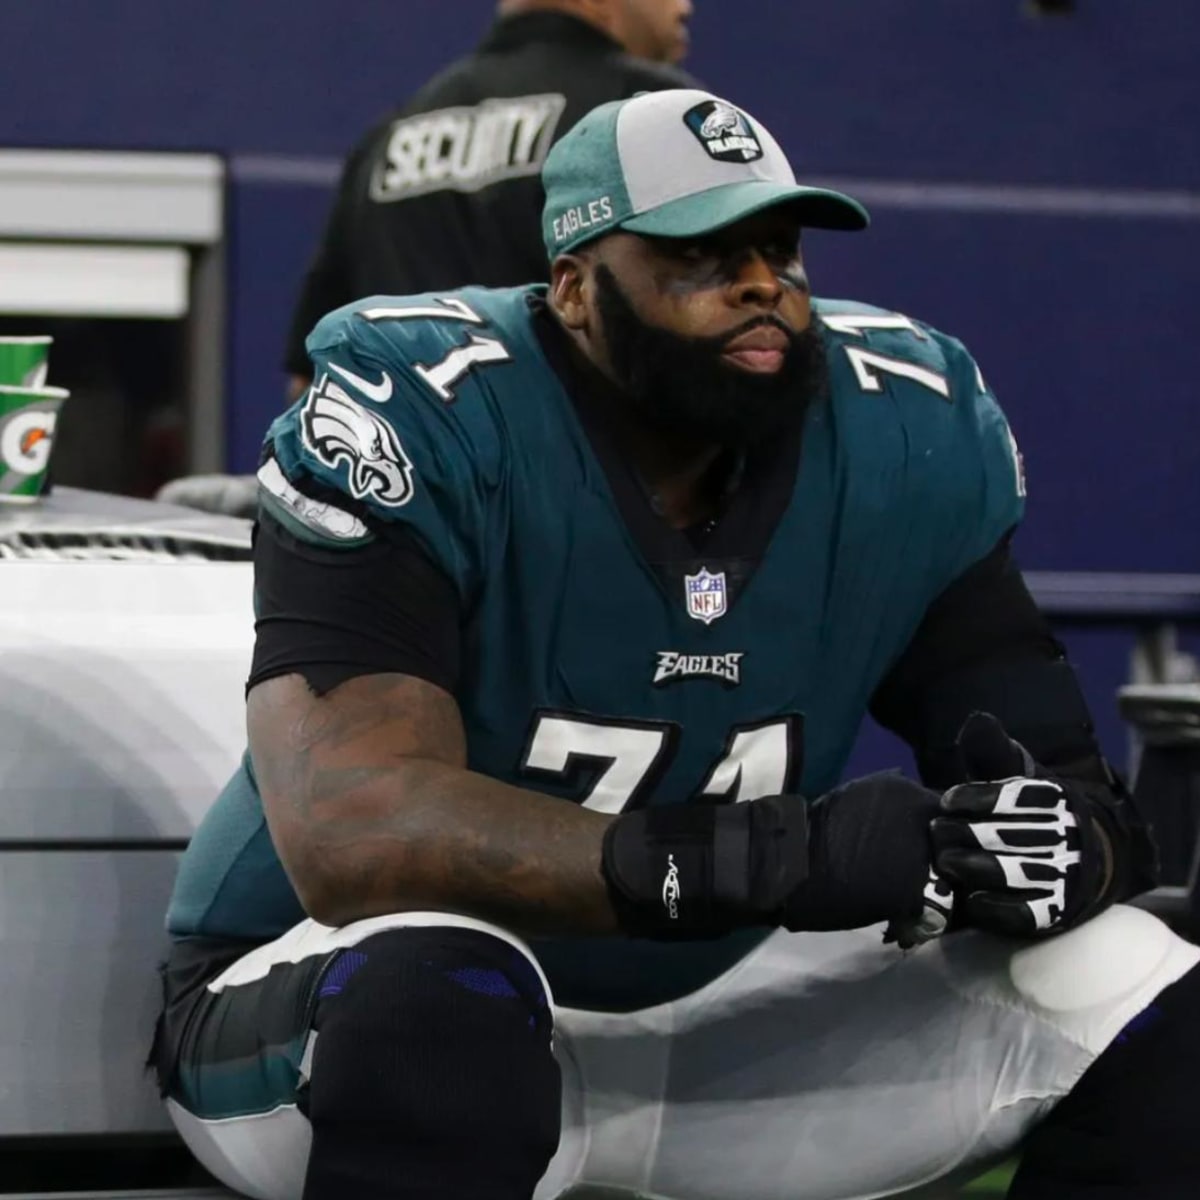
853, 857
869, 856
1021, 848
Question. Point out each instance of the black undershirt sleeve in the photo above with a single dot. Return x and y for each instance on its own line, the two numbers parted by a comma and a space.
331, 614
984, 645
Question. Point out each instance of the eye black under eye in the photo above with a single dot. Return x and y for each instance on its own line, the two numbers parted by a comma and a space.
783, 252
695, 251
703, 251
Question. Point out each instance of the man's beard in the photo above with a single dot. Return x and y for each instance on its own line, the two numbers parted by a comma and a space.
679, 385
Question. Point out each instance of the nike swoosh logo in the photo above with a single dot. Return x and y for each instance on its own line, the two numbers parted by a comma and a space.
379, 392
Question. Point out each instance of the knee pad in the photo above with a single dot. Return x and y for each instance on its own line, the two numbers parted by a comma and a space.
1092, 980
431, 1071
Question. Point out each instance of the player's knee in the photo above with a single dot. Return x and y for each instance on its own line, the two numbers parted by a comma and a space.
433, 1046
1097, 976
1127, 1127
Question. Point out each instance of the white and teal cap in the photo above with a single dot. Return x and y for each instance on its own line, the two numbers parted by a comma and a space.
679, 163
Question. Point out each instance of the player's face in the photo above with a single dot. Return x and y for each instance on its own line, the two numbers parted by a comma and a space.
745, 284
653, 29
710, 339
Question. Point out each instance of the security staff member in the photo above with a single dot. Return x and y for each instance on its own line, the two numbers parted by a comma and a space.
446, 192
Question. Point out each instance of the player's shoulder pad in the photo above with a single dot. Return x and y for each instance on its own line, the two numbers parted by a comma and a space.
954, 429
866, 331
401, 422
432, 344
886, 349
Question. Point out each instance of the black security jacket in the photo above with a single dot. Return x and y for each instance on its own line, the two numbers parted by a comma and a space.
455, 199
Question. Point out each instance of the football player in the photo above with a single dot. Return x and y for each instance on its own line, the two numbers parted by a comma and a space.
570, 603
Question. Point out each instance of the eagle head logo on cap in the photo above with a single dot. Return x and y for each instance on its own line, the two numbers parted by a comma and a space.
723, 131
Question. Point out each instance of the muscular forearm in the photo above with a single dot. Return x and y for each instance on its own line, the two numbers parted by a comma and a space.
365, 826
428, 836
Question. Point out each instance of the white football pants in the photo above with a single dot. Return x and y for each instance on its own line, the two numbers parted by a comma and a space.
823, 1066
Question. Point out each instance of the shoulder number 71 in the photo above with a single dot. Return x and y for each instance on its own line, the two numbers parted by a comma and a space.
868, 364
442, 375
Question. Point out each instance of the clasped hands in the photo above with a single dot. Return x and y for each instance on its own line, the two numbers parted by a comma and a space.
1013, 850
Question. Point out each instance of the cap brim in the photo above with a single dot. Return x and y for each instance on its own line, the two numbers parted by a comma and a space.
708, 211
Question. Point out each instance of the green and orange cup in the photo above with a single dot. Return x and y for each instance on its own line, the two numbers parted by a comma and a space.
28, 419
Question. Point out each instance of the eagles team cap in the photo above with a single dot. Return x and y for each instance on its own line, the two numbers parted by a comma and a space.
679, 163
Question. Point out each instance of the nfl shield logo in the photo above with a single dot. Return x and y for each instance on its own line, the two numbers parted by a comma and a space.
705, 595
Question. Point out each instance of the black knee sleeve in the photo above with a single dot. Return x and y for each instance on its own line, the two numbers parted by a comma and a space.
432, 1074
1128, 1130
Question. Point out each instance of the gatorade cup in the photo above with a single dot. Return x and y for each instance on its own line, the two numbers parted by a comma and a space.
28, 417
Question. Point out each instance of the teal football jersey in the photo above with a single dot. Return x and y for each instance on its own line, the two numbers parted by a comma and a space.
589, 672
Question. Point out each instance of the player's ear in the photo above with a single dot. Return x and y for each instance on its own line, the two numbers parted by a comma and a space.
568, 274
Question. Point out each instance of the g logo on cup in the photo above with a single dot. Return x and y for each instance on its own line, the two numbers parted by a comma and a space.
28, 421
26, 440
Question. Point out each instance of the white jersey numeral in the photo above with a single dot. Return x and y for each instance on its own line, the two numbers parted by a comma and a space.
759, 760
630, 752
867, 364
449, 308
756, 763
857, 324
442, 376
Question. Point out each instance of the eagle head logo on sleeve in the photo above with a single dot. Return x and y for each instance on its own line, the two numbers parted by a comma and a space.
338, 430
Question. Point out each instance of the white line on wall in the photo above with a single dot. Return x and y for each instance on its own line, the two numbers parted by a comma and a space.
1029, 199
